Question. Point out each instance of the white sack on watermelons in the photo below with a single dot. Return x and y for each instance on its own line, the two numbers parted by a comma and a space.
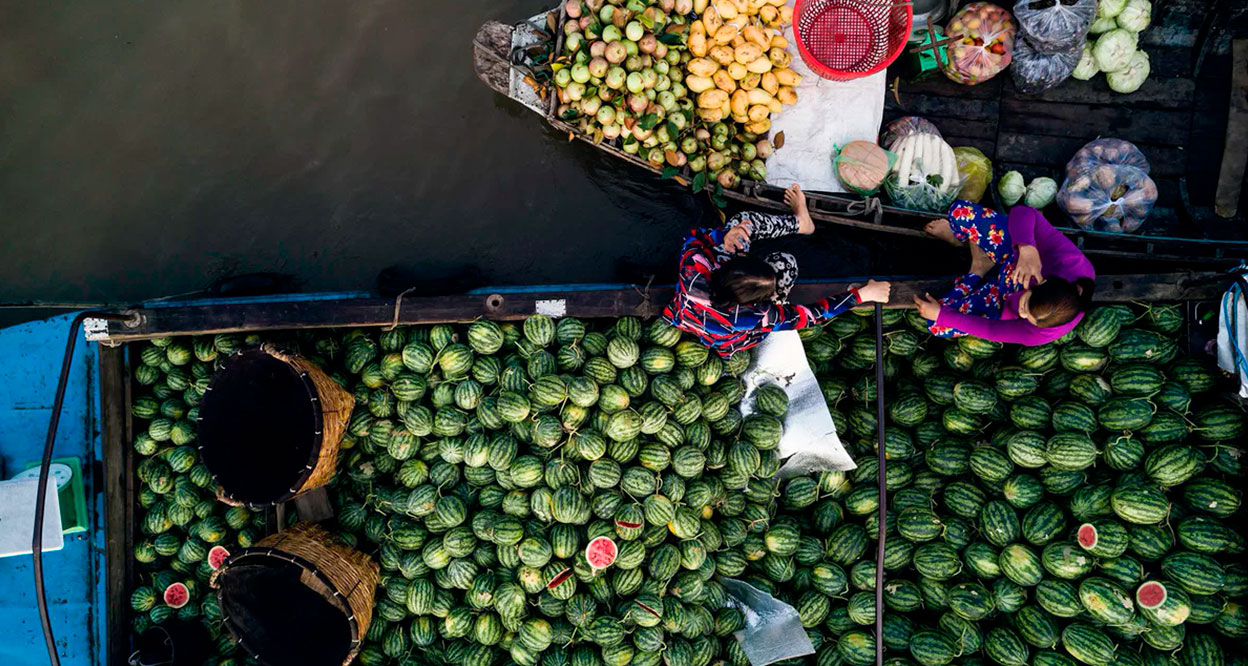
1035, 72
1053, 26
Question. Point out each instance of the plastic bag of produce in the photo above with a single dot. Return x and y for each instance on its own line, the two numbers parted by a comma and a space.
1035, 72
773, 629
1108, 198
861, 166
1108, 151
904, 127
982, 43
1054, 25
925, 176
975, 169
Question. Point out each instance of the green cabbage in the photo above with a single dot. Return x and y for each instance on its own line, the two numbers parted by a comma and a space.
1101, 25
1109, 8
1086, 68
1136, 15
1113, 50
1040, 192
1011, 188
1130, 79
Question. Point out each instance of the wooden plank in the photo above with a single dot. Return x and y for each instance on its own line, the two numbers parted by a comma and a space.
1146, 126
636, 301
1235, 152
118, 501
940, 85
1157, 92
939, 105
1056, 151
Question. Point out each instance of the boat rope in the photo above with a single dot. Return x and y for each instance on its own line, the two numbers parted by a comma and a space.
398, 307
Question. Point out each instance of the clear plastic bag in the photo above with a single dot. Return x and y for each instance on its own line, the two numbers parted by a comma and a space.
926, 176
904, 127
1035, 72
1108, 197
982, 43
975, 169
924, 196
1113, 152
1053, 26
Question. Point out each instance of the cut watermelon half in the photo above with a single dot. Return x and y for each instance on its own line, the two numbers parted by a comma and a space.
177, 596
601, 552
1087, 536
559, 578
1151, 594
216, 557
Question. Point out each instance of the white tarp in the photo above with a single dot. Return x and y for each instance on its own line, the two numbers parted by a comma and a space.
810, 443
1233, 336
17, 517
773, 629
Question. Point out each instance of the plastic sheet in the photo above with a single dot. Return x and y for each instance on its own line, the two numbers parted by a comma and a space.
1110, 152
976, 171
982, 43
773, 629
1053, 26
1108, 198
904, 127
1035, 72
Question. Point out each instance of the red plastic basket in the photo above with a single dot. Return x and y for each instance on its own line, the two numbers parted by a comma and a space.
848, 39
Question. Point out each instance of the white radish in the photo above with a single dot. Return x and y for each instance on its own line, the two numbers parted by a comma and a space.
904, 158
950, 169
922, 155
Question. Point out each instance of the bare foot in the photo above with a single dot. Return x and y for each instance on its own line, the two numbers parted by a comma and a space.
980, 262
796, 199
939, 228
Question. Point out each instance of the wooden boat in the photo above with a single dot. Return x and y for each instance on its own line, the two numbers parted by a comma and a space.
1034, 134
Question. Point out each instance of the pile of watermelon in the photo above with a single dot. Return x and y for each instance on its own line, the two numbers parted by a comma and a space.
570, 493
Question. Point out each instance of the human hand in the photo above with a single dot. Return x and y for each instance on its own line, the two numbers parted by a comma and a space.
928, 307
875, 292
737, 240
1028, 267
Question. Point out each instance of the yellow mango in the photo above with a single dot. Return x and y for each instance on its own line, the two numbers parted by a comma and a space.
697, 41
747, 53
712, 99
768, 14
769, 82
788, 77
737, 41
775, 106
697, 84
760, 96
750, 81
699, 6
743, 6
724, 81
711, 115
726, 9
786, 14
756, 35
742, 118
726, 34
740, 102
787, 95
779, 42
759, 113
756, 6
722, 54
780, 58
737, 71
711, 21
702, 67
760, 127
760, 65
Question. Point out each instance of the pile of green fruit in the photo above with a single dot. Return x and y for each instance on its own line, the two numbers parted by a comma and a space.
1055, 505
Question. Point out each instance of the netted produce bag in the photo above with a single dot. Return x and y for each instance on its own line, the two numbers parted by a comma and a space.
1054, 26
982, 43
1034, 72
975, 169
904, 127
861, 166
1108, 198
925, 176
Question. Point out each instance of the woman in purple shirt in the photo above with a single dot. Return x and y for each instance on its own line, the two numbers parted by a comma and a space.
997, 299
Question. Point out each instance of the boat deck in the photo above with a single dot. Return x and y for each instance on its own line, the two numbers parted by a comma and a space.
1178, 118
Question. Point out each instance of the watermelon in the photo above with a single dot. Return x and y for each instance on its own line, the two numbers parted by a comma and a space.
1088, 644
1103, 538
1099, 327
217, 556
176, 595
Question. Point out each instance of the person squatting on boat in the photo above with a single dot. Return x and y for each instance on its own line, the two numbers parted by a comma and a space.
1028, 283
731, 300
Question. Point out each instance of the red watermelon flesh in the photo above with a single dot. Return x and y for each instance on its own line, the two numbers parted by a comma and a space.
176, 595
216, 557
601, 552
1151, 594
1087, 535
559, 578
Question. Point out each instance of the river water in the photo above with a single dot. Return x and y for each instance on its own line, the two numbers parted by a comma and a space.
148, 148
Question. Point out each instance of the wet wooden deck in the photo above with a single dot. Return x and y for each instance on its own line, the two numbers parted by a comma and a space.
1178, 118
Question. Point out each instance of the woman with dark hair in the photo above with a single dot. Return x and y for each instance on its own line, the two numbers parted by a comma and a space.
996, 299
731, 300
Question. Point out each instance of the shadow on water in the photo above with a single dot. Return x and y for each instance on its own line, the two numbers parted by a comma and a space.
149, 148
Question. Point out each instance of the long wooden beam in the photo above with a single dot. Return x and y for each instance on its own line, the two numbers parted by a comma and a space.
610, 302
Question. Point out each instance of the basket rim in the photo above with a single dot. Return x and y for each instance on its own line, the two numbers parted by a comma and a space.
834, 74
318, 429
268, 551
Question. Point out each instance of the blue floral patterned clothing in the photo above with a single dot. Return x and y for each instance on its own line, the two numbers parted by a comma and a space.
972, 294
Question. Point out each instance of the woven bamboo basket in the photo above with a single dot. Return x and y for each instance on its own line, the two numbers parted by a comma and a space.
270, 425
298, 597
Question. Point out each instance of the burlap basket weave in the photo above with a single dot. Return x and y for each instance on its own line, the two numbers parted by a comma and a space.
256, 587
312, 394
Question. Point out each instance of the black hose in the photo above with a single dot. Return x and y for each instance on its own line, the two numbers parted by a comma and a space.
883, 492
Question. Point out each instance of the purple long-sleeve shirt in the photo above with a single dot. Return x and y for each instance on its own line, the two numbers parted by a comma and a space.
1058, 258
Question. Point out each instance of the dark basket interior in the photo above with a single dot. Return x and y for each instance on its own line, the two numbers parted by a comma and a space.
278, 618
258, 428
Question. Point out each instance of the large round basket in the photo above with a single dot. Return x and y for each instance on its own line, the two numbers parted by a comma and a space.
298, 597
848, 39
269, 427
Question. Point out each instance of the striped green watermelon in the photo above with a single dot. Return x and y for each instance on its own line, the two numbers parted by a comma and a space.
1088, 644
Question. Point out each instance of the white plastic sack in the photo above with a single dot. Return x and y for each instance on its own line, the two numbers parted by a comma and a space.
1233, 336
773, 629
809, 443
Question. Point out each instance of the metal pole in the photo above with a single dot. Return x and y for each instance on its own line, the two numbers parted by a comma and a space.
883, 492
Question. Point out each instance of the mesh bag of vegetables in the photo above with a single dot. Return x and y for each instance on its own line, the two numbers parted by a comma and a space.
1054, 26
1108, 198
982, 37
925, 176
1035, 72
